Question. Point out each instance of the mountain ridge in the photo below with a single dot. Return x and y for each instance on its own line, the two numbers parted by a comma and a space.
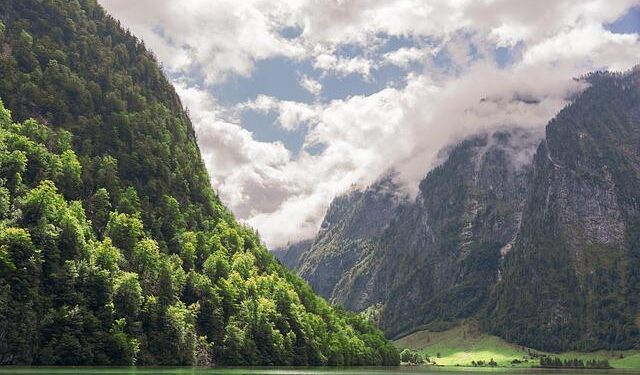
461, 246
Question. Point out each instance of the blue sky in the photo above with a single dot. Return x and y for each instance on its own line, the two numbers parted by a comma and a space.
278, 77
297, 101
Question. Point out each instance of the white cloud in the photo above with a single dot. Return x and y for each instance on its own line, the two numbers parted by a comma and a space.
344, 65
240, 167
509, 35
314, 87
227, 37
402, 57
291, 115
592, 44
285, 195
217, 38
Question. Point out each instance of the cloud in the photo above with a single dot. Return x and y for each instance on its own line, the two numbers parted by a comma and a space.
344, 65
592, 44
405, 56
314, 87
291, 115
350, 142
285, 197
215, 38
226, 37
240, 167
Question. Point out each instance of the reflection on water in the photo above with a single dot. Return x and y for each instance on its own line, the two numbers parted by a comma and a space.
292, 371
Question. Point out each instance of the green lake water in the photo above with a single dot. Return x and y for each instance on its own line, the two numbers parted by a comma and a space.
295, 371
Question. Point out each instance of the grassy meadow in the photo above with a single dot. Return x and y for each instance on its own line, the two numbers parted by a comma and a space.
464, 344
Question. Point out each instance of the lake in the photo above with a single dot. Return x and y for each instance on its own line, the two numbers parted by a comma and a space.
294, 371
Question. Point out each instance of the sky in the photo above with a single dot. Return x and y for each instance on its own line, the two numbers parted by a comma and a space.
297, 101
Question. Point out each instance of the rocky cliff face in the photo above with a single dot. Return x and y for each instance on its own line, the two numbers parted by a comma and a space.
571, 280
446, 247
292, 254
347, 235
546, 252
405, 258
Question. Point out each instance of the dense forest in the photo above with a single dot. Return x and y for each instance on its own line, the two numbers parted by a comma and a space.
114, 249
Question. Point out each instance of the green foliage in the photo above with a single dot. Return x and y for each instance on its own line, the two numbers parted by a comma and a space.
69, 178
129, 202
411, 357
124, 346
114, 250
107, 257
98, 210
555, 362
125, 231
127, 296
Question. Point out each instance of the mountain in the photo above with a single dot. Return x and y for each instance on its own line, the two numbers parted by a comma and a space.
291, 254
345, 235
430, 258
542, 250
114, 248
572, 279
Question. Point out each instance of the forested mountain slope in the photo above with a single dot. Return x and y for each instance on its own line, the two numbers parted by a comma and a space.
114, 249
544, 254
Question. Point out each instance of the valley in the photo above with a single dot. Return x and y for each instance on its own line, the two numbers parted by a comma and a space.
464, 343
319, 187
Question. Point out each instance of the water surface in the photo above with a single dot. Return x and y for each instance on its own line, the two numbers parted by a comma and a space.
297, 371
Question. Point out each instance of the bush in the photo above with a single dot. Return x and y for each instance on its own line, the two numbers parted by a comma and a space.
411, 357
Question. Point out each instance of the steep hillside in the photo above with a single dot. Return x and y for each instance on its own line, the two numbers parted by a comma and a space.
431, 259
114, 249
347, 235
571, 280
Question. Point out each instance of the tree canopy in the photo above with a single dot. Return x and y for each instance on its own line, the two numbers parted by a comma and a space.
114, 248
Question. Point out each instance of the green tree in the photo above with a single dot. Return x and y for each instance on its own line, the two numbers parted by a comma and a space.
125, 231
129, 202
69, 180
146, 261
107, 257
127, 297
98, 210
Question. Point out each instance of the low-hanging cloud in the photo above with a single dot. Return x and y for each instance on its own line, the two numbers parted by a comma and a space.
402, 127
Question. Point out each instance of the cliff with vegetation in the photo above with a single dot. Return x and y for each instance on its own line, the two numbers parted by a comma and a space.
572, 279
542, 251
433, 258
114, 248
